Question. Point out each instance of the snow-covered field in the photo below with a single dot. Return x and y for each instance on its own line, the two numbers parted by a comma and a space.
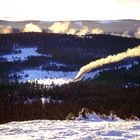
52, 77
23, 54
34, 74
93, 128
46, 77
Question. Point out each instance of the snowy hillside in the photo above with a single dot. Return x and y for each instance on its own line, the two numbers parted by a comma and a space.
49, 77
57, 58
93, 128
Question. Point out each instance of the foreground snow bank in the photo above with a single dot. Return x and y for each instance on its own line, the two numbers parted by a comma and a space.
86, 129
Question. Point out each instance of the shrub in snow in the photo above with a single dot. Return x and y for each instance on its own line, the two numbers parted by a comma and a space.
70, 117
134, 118
83, 114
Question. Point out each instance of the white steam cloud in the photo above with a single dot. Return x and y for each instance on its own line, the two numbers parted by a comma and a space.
97, 31
137, 34
32, 28
83, 31
72, 31
126, 34
59, 27
110, 59
5, 29
64, 27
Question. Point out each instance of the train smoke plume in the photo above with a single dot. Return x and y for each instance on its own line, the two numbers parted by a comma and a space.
110, 59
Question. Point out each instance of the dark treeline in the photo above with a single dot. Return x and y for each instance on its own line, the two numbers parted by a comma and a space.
48, 42
21, 102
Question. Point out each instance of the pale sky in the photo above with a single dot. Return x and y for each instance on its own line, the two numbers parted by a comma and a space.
54, 10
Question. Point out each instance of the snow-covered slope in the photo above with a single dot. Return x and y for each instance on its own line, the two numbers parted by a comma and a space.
91, 129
